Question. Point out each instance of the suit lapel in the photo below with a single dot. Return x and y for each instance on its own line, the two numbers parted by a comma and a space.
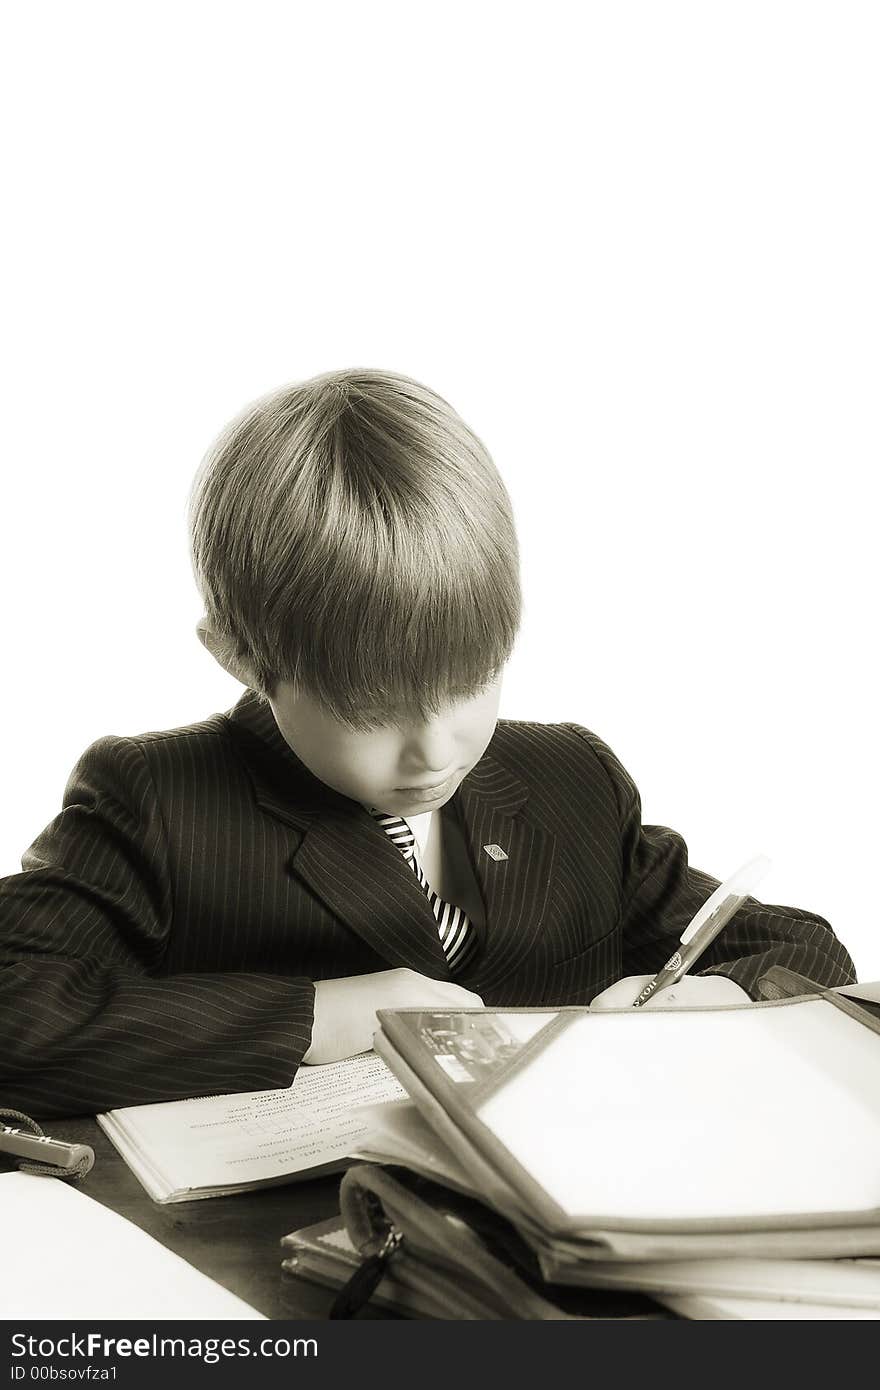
366, 882
515, 890
343, 856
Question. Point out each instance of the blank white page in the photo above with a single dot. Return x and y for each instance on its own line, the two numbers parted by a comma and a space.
700, 1113
71, 1258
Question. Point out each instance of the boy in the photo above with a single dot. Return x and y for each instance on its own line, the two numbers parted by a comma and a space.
217, 904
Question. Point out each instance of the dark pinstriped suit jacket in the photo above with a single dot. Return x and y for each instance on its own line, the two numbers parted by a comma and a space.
161, 941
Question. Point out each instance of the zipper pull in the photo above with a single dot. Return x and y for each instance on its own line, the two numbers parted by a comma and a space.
359, 1289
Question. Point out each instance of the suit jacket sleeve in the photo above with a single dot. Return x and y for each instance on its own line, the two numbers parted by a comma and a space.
88, 1019
660, 892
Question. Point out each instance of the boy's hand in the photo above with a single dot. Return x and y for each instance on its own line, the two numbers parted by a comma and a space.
693, 991
345, 1009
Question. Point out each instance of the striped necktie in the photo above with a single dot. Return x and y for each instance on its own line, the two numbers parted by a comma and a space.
456, 934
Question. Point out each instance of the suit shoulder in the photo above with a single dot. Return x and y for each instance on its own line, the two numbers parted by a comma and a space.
513, 736
216, 726
565, 747
158, 746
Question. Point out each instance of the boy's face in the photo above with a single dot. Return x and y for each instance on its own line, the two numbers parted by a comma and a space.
402, 769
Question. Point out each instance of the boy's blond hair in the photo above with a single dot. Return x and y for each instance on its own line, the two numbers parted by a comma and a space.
352, 535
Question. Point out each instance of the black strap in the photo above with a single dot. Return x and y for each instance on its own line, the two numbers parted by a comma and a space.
359, 1289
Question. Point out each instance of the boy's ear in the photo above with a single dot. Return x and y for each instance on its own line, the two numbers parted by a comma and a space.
223, 652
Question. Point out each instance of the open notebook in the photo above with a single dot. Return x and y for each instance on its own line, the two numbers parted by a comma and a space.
212, 1146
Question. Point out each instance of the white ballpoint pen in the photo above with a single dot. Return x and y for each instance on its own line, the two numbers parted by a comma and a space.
705, 925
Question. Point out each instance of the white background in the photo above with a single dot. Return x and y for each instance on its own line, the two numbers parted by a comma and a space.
634, 244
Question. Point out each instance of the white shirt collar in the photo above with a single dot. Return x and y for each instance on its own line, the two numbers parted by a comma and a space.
420, 826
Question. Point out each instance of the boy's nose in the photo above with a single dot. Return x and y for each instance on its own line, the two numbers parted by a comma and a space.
429, 750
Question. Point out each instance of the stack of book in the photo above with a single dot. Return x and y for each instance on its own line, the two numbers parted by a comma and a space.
724, 1161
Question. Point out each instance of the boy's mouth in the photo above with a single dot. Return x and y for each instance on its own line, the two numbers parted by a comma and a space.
426, 793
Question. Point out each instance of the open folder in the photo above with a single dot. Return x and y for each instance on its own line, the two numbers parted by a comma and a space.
640, 1134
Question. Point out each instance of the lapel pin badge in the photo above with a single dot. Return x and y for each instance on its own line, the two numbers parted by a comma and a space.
495, 852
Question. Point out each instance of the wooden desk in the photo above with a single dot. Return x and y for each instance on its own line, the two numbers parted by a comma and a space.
235, 1240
